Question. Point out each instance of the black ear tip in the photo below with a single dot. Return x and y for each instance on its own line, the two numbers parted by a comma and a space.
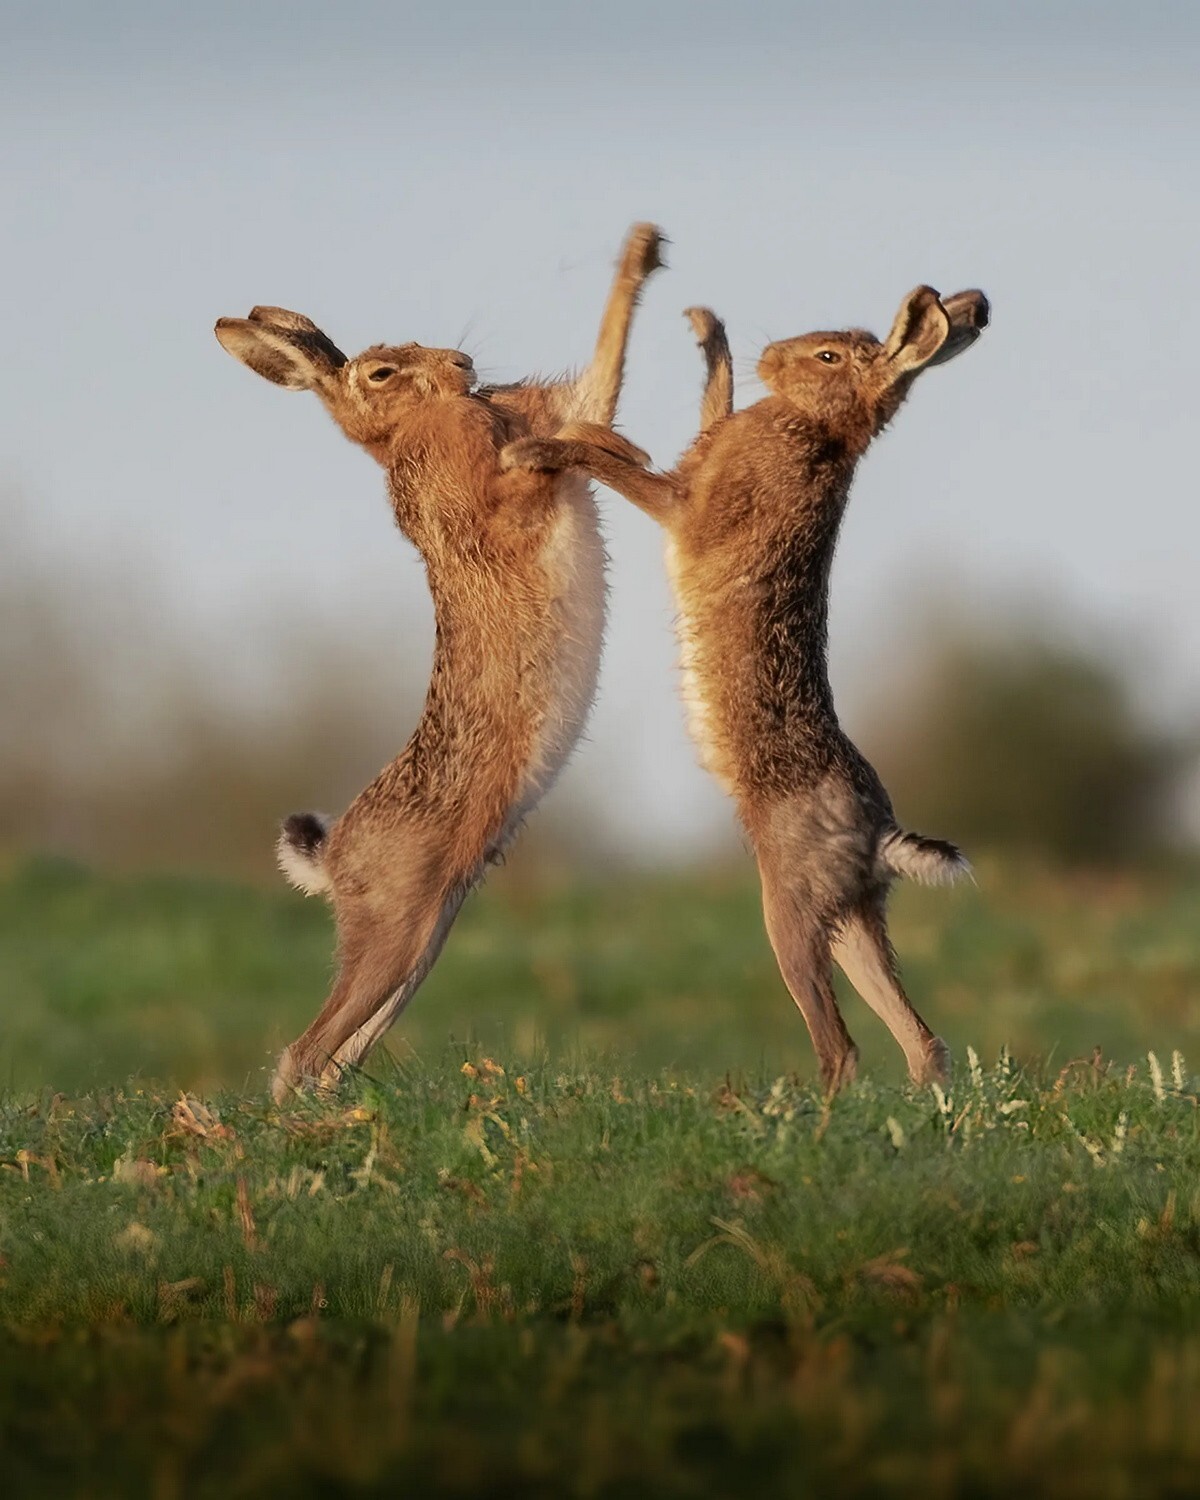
971, 308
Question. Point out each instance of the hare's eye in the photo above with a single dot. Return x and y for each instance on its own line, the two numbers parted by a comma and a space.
382, 373
828, 356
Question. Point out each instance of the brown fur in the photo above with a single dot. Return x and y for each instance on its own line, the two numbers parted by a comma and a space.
752, 514
515, 567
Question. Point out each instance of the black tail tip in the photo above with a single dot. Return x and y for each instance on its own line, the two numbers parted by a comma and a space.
305, 832
942, 848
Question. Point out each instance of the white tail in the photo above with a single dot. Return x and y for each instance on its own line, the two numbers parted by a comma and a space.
917, 857
300, 852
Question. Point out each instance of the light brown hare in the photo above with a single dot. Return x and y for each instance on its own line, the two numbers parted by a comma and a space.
752, 514
515, 564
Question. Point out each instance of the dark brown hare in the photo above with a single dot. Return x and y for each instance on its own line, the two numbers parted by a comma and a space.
752, 514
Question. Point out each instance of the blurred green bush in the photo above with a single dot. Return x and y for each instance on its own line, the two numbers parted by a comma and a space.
1020, 740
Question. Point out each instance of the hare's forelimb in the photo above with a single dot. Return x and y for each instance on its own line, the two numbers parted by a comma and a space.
656, 494
802, 950
598, 388
591, 396
597, 435
716, 403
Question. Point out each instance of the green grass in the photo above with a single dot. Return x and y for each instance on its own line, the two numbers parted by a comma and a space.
611, 1242
197, 983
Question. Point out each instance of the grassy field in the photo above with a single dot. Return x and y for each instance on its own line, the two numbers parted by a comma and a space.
592, 1230
196, 983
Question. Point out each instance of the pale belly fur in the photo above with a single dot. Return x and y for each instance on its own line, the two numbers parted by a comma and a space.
699, 714
575, 559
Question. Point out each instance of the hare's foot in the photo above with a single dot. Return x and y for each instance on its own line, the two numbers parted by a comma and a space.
839, 1068
935, 1066
287, 1078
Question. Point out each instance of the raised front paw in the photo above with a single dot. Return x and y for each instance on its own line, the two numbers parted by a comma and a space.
529, 453
643, 251
705, 324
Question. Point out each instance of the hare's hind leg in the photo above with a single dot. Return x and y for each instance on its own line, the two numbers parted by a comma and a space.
802, 952
865, 955
360, 1042
382, 964
597, 390
303, 1062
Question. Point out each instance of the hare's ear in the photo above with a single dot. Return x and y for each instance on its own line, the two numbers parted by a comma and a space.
919, 332
283, 317
294, 354
969, 314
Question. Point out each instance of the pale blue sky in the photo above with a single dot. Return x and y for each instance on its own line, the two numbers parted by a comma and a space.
459, 171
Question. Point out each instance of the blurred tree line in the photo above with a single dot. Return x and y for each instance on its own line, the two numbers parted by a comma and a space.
126, 745
121, 744
1018, 740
